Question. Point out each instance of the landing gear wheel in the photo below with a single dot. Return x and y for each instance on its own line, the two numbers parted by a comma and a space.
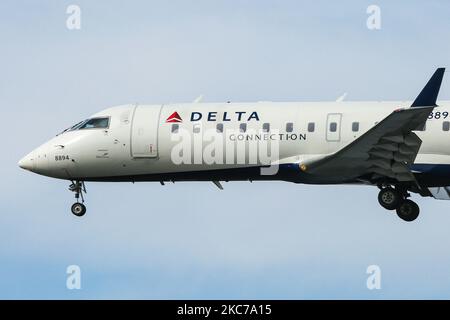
408, 210
389, 198
78, 187
78, 209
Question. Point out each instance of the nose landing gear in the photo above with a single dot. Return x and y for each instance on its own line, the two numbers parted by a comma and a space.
78, 209
396, 199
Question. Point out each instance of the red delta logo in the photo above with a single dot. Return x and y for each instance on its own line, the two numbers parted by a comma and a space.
174, 118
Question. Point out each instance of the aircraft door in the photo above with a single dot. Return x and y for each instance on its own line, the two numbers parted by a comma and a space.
333, 127
144, 131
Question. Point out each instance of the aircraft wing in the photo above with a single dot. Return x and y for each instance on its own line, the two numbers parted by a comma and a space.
389, 148
385, 150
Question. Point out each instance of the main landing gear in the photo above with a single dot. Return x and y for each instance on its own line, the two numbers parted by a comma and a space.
396, 199
78, 209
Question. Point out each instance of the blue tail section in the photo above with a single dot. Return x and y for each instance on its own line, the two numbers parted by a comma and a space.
429, 94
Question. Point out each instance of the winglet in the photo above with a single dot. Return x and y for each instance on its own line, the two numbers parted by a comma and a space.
429, 93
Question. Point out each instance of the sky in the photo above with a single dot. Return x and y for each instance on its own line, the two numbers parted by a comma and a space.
266, 240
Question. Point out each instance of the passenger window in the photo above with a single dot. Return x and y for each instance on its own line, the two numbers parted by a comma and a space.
243, 127
289, 127
355, 126
175, 127
219, 127
266, 127
311, 127
95, 123
196, 128
446, 125
333, 127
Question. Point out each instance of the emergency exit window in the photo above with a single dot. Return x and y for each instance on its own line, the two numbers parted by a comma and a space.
333, 127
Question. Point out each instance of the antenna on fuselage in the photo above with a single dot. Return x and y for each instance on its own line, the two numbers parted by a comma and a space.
341, 98
218, 184
198, 99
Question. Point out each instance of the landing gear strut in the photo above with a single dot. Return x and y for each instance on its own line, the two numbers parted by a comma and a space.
78, 209
396, 199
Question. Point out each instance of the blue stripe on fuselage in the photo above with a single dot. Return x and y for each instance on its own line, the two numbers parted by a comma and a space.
432, 169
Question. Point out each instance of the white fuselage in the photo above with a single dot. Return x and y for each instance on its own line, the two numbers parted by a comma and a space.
140, 142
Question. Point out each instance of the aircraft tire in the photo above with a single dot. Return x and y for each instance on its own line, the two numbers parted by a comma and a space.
408, 210
389, 198
78, 209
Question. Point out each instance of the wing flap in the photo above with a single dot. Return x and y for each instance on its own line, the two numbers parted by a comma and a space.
387, 149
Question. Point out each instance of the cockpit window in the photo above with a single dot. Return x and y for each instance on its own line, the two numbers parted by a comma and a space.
94, 123
90, 124
76, 126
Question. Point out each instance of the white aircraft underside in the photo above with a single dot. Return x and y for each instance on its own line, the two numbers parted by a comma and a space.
399, 146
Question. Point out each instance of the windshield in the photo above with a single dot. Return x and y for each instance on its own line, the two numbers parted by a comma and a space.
93, 123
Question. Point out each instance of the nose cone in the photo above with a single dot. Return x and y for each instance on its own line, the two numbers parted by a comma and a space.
26, 163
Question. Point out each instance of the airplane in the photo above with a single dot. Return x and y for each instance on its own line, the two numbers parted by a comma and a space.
400, 147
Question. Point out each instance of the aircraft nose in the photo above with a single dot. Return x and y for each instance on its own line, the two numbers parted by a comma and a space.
26, 163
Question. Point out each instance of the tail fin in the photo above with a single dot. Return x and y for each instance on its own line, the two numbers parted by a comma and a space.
428, 95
